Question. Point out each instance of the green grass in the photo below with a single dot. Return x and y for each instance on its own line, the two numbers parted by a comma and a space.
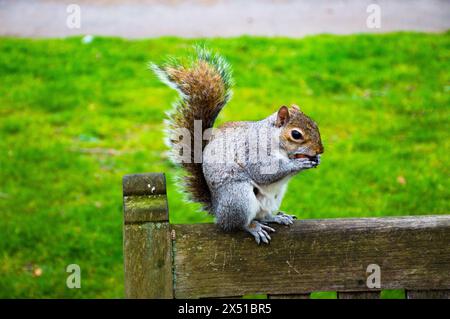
74, 118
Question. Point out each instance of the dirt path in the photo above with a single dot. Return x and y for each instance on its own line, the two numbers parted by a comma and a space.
211, 18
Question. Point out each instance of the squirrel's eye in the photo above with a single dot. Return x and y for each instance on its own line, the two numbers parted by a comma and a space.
296, 135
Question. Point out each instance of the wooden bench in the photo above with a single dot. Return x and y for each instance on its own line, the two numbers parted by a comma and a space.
164, 260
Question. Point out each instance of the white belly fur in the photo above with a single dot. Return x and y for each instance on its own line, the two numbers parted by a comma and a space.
270, 197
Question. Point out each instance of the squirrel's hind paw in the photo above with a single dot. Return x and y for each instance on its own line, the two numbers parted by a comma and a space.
259, 231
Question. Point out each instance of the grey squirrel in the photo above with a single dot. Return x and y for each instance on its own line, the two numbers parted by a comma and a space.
239, 172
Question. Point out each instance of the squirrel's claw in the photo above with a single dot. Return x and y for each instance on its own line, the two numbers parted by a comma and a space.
284, 219
259, 231
280, 218
265, 227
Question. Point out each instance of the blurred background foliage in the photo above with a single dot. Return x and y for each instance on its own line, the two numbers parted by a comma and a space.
75, 117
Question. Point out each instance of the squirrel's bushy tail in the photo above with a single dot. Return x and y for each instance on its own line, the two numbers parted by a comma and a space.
204, 85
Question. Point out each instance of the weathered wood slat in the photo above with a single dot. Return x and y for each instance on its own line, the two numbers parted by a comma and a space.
148, 271
145, 208
428, 294
314, 255
147, 240
359, 295
144, 184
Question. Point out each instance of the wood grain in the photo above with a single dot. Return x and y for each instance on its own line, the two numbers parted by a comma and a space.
147, 242
148, 261
313, 255
144, 184
145, 208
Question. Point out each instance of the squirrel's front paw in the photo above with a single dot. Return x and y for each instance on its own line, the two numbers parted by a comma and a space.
280, 218
307, 162
284, 219
259, 231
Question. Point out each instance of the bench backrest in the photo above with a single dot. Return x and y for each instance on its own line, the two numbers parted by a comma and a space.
164, 260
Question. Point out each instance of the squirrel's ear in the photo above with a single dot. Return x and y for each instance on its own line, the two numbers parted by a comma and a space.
283, 116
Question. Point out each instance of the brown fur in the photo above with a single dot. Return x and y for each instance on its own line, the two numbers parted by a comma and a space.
206, 94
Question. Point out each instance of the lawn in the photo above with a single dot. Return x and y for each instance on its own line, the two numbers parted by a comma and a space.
75, 117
